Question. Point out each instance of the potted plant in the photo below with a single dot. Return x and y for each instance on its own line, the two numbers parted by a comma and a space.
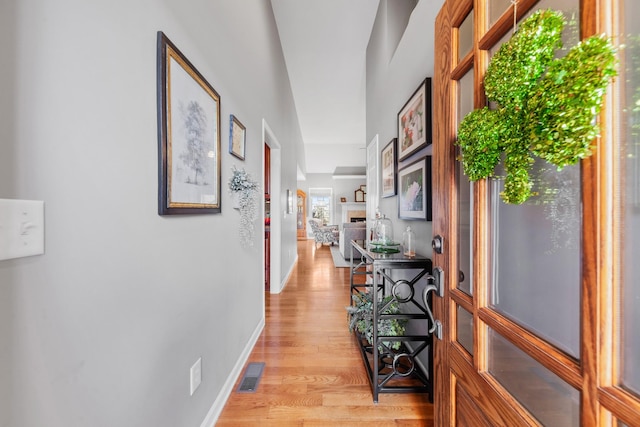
244, 190
361, 319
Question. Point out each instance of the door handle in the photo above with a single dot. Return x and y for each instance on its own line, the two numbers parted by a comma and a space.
436, 285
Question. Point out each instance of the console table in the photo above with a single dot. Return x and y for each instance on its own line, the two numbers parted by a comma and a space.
395, 371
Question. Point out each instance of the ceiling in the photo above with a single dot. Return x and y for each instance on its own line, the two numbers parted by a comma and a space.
324, 44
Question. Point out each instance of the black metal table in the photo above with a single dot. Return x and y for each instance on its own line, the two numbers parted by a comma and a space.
389, 370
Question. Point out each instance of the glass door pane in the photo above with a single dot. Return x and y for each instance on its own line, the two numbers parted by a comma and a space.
630, 233
536, 257
551, 400
465, 194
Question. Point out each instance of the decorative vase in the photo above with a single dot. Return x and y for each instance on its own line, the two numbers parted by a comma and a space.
409, 242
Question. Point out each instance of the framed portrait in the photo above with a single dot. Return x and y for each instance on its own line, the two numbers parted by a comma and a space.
414, 122
414, 190
188, 136
237, 138
389, 168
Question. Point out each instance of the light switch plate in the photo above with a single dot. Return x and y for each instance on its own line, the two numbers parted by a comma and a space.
21, 228
195, 376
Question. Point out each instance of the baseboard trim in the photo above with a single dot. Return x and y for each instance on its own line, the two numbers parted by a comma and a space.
218, 405
286, 279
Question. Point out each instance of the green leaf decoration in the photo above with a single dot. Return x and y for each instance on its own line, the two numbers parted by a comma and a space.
515, 69
479, 139
545, 107
567, 99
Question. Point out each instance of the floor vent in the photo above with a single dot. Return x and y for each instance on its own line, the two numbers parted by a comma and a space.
251, 378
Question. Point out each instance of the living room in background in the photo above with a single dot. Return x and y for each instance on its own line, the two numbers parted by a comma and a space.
321, 200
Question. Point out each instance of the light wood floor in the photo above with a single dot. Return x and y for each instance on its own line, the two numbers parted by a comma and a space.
314, 374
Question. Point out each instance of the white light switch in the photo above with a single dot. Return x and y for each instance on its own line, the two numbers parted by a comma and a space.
21, 228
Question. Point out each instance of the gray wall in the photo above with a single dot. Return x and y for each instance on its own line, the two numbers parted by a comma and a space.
394, 71
103, 328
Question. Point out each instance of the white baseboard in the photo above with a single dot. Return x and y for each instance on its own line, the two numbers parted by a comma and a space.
218, 405
286, 279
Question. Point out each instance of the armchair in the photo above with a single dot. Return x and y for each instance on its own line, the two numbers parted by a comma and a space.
323, 234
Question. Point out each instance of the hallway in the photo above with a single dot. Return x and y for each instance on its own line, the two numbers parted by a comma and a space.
314, 375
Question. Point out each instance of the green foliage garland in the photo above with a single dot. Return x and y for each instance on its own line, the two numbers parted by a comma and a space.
546, 106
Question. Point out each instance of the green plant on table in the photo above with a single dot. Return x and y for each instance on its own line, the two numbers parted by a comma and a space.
361, 318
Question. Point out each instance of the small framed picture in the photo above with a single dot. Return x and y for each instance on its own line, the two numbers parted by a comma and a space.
343, 200
414, 190
389, 168
237, 138
414, 122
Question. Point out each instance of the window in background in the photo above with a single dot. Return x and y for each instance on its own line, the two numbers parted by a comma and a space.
321, 200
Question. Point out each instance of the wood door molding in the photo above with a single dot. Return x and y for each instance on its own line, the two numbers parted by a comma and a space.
443, 156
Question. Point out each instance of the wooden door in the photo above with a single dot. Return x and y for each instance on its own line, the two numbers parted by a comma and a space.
540, 300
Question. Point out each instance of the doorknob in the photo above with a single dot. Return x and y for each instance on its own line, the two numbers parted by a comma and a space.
437, 286
437, 244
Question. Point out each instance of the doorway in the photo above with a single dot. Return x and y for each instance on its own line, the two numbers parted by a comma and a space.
275, 205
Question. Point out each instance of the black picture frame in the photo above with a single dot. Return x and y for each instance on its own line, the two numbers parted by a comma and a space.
188, 136
389, 168
414, 190
414, 122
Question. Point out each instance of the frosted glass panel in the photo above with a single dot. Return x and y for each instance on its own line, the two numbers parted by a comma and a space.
496, 9
465, 329
551, 400
465, 194
465, 36
535, 247
630, 235
535, 251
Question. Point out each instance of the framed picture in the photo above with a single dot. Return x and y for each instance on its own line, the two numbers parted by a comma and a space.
359, 195
237, 138
389, 168
343, 200
188, 136
414, 122
414, 189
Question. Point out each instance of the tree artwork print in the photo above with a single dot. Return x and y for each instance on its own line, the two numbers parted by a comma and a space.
188, 136
193, 141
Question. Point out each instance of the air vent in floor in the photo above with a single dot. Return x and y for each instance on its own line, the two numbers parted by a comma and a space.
251, 377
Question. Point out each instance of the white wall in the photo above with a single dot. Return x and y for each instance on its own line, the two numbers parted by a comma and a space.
102, 329
393, 74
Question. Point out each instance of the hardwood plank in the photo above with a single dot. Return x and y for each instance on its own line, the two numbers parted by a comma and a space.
313, 373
